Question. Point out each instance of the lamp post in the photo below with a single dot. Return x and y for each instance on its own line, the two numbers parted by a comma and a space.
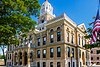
71, 58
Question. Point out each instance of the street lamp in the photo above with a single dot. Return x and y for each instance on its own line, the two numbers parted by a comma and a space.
71, 55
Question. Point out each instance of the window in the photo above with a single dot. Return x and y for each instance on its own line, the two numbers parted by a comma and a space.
67, 36
58, 36
51, 38
86, 63
38, 64
44, 53
51, 64
68, 64
46, 7
98, 51
38, 41
20, 55
73, 52
44, 64
82, 41
91, 51
8, 47
73, 64
51, 52
58, 64
97, 63
42, 28
80, 64
44, 40
42, 20
38, 54
79, 53
31, 54
10, 56
68, 51
72, 38
30, 42
58, 52
91, 58
97, 58
79, 39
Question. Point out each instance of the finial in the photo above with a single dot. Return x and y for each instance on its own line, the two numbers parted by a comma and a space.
97, 16
46, 0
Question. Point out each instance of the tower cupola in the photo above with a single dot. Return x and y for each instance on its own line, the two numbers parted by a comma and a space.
46, 8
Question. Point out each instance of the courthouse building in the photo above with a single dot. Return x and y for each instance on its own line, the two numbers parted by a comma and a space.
56, 42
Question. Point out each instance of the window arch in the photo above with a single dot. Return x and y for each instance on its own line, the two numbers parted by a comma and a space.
58, 28
79, 39
51, 31
58, 34
51, 36
68, 34
72, 37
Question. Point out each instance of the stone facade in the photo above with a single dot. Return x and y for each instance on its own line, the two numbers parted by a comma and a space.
56, 42
95, 56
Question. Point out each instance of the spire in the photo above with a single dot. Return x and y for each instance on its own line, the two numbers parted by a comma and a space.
46, 0
98, 16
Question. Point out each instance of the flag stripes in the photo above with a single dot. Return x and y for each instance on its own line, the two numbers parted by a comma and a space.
96, 29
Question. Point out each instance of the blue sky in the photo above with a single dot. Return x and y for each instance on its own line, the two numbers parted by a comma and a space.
80, 11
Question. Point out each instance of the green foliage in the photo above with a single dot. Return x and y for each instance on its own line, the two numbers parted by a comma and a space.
90, 46
2, 56
15, 19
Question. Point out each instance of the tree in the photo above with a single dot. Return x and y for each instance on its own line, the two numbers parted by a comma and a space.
15, 17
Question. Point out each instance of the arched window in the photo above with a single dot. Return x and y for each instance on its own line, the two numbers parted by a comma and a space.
44, 40
72, 39
20, 58
58, 34
31, 56
67, 34
44, 53
51, 36
82, 41
79, 39
25, 58
51, 64
68, 49
15, 59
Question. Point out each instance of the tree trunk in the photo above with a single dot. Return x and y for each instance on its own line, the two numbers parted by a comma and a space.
4, 57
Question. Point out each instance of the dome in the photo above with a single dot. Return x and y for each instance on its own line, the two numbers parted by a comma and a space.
46, 8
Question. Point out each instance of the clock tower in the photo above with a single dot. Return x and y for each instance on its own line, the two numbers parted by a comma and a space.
46, 14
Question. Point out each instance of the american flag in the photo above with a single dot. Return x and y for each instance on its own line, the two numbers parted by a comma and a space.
96, 28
